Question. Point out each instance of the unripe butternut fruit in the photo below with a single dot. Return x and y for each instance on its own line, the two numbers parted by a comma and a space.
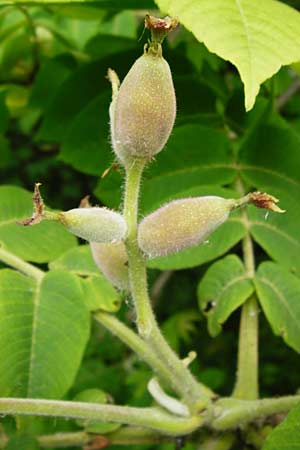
181, 224
112, 261
188, 222
143, 110
94, 224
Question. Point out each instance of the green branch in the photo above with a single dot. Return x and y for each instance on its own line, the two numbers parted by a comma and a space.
153, 418
17, 263
231, 413
247, 368
180, 378
124, 436
60, 440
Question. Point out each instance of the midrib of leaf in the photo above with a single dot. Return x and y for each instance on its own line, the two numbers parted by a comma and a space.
247, 36
271, 172
281, 298
36, 302
192, 169
231, 283
276, 230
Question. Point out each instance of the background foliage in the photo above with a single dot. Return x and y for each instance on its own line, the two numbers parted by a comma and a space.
54, 99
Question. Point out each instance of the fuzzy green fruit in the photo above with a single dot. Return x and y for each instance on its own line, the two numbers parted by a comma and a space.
113, 263
188, 222
94, 224
143, 110
181, 224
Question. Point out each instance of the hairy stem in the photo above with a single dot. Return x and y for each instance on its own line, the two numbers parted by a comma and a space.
153, 418
180, 378
233, 413
247, 368
17, 263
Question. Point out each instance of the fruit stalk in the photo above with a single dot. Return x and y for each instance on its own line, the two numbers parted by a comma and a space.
194, 395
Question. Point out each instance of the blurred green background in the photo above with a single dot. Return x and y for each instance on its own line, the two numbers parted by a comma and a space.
54, 99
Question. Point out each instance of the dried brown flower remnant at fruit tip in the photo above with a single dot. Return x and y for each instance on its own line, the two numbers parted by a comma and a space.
266, 201
159, 28
167, 23
38, 208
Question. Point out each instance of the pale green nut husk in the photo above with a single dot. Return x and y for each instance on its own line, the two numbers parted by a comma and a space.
181, 224
112, 261
94, 224
143, 111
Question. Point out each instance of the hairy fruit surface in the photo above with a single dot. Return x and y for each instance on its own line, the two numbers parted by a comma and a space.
112, 261
181, 224
94, 224
144, 109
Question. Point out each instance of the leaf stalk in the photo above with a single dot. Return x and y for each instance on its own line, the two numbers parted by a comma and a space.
18, 263
247, 367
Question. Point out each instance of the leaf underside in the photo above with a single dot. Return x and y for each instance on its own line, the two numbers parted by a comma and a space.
258, 37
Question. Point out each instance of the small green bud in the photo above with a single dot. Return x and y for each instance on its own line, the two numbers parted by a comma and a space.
188, 222
143, 111
112, 261
94, 224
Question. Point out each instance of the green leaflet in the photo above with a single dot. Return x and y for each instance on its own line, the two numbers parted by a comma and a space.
279, 292
286, 435
251, 35
41, 243
269, 160
44, 331
224, 287
98, 292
